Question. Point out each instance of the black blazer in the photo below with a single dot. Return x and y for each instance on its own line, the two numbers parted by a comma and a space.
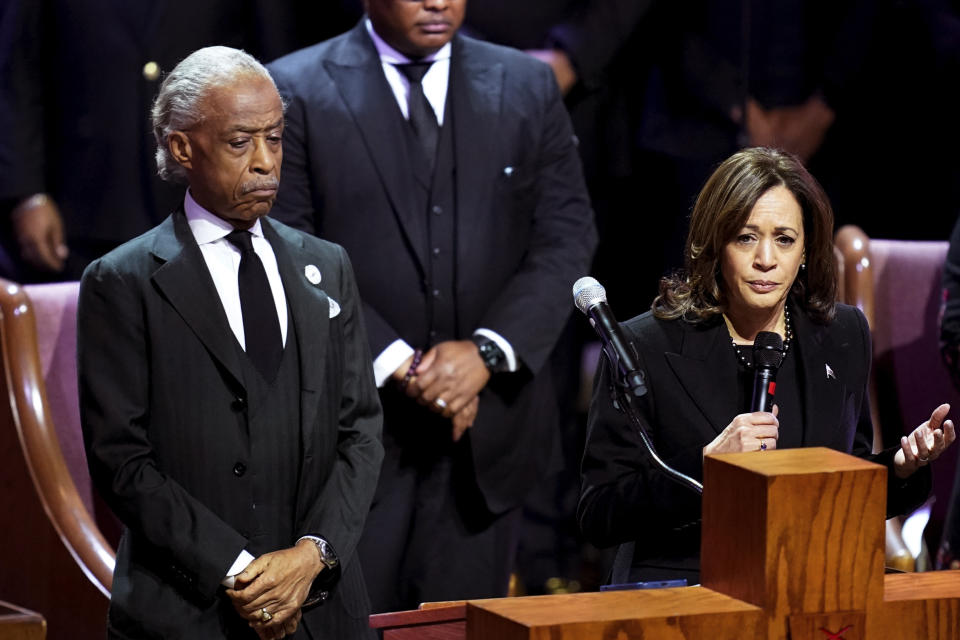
164, 422
691, 374
524, 228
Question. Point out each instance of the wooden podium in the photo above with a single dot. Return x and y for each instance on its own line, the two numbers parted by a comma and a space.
792, 547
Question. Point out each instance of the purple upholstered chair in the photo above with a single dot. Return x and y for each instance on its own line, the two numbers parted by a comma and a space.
897, 285
58, 524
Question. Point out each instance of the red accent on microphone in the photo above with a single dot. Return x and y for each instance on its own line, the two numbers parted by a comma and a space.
772, 388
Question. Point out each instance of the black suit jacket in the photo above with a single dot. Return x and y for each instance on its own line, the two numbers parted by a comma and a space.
524, 226
163, 408
691, 374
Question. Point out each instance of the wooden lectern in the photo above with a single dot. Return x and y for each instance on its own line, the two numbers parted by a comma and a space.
792, 547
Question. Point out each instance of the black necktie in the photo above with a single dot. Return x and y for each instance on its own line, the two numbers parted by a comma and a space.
261, 328
422, 118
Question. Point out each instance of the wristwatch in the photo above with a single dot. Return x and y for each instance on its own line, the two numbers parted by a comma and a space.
328, 577
491, 353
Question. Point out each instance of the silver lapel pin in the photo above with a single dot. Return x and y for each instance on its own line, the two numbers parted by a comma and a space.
312, 274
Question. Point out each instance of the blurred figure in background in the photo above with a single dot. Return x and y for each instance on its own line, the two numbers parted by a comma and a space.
77, 175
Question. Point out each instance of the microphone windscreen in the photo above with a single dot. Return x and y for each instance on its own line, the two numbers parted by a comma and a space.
588, 292
767, 350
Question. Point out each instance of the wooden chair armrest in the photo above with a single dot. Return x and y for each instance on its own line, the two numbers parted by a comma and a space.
24, 382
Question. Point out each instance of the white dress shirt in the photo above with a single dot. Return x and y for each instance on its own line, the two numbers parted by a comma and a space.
223, 262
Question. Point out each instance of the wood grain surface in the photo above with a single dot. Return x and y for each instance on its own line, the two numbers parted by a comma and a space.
688, 613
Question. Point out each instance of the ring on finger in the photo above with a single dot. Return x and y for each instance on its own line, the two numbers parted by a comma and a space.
265, 615
440, 402
763, 445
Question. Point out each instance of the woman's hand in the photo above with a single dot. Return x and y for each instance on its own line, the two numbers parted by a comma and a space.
925, 443
755, 431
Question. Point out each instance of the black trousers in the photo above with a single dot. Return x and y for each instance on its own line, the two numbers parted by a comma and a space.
429, 535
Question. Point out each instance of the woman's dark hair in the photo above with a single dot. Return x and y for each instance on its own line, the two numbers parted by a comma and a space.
723, 208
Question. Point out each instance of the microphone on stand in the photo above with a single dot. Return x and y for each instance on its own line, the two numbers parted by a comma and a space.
591, 298
767, 356
627, 384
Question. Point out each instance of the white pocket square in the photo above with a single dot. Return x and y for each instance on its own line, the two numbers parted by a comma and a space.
334, 308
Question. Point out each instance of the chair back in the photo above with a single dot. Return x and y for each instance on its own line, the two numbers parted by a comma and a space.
38, 345
909, 380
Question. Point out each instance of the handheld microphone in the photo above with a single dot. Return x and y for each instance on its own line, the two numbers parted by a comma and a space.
591, 298
767, 356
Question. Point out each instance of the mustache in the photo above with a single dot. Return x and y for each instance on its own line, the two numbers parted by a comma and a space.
256, 185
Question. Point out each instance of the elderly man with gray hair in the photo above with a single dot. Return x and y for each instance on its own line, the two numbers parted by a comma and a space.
229, 410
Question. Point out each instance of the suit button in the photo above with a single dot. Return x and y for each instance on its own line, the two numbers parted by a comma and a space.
437, 209
436, 293
238, 404
239, 469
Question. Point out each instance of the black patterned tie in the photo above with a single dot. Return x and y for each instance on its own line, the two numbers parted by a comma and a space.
422, 118
261, 327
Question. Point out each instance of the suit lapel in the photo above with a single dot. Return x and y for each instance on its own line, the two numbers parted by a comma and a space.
707, 370
475, 96
185, 281
822, 393
310, 312
364, 89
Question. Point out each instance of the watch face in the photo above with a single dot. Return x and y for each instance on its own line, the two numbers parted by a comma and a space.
326, 553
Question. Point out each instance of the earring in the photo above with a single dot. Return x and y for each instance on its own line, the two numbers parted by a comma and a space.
803, 266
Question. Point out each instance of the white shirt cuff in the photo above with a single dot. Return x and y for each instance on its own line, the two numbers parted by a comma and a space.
389, 360
503, 344
238, 566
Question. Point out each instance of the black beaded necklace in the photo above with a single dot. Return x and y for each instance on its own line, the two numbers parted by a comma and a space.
739, 349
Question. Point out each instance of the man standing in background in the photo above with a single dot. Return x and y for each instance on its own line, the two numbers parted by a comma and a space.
448, 169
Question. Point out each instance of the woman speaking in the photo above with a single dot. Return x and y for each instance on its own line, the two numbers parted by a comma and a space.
759, 258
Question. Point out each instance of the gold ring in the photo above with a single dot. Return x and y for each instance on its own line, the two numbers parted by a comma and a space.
265, 615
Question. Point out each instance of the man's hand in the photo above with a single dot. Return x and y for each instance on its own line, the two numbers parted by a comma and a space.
801, 129
39, 231
401, 373
273, 632
279, 583
465, 418
450, 376
761, 129
559, 61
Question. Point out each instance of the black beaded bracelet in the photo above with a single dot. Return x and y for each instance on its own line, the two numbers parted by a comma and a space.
412, 371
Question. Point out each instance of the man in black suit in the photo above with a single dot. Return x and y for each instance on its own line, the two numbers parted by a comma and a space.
229, 412
448, 168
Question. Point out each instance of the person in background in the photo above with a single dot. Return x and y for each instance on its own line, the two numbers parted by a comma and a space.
448, 169
948, 554
77, 176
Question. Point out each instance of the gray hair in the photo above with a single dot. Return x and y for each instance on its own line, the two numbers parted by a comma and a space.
177, 106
